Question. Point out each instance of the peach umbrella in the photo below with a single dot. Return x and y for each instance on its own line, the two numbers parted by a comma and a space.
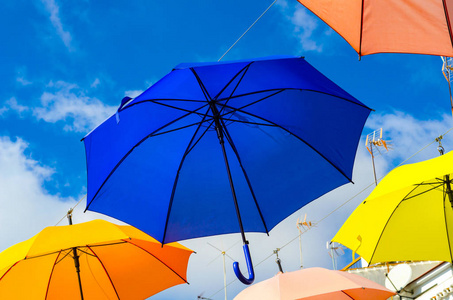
315, 284
392, 26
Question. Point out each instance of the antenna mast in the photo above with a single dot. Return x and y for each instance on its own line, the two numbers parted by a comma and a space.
303, 226
373, 142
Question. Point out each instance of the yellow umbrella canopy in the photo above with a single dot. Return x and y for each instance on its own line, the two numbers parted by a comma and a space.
115, 262
408, 216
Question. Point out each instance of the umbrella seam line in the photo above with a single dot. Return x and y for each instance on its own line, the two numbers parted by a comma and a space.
156, 101
361, 30
447, 17
128, 153
243, 71
300, 89
175, 183
346, 294
129, 242
10, 269
233, 146
51, 273
305, 142
386, 223
105, 270
424, 192
446, 227
233, 110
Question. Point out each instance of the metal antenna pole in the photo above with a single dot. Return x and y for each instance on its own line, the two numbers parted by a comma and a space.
224, 275
75, 257
374, 167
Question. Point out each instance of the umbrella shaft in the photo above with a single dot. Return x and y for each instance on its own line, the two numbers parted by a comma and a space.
233, 192
218, 127
77, 266
449, 191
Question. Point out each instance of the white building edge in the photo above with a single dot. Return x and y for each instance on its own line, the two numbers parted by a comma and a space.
421, 280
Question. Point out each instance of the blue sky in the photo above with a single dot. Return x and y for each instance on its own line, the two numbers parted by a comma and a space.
65, 66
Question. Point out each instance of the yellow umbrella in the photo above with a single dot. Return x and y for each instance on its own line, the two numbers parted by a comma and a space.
111, 262
408, 216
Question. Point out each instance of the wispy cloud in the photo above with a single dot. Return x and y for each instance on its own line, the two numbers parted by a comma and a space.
54, 10
23, 81
304, 25
67, 102
12, 104
133, 93
95, 83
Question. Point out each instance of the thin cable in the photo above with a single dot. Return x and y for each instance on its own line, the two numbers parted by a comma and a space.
247, 30
71, 209
325, 217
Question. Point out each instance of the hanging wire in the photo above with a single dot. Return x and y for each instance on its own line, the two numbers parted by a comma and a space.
350, 199
247, 30
70, 210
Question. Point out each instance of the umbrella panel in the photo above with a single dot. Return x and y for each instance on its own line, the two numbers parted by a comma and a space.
400, 230
130, 267
273, 160
419, 220
14, 285
416, 26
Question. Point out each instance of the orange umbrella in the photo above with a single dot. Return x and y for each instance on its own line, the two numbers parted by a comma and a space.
393, 26
315, 284
91, 261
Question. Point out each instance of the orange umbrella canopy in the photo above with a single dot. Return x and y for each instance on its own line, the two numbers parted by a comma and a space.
315, 284
116, 262
394, 26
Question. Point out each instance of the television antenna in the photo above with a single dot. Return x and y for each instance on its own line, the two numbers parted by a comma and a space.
374, 143
335, 250
224, 254
447, 68
303, 226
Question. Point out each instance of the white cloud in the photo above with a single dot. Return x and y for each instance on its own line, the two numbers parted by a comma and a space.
407, 134
13, 105
95, 83
304, 25
67, 102
54, 11
23, 81
26, 205
132, 93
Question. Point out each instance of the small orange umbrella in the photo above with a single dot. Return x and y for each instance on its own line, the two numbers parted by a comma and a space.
392, 26
315, 284
91, 261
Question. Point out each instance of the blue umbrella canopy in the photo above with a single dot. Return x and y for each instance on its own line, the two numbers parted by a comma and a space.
216, 148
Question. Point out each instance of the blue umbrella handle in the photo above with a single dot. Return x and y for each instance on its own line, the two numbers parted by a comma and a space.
248, 261
123, 102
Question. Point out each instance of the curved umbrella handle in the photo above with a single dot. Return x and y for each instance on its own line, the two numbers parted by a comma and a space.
248, 261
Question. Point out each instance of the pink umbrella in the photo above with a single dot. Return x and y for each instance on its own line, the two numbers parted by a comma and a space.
315, 284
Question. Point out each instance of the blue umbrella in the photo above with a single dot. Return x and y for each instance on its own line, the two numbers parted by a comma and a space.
216, 148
